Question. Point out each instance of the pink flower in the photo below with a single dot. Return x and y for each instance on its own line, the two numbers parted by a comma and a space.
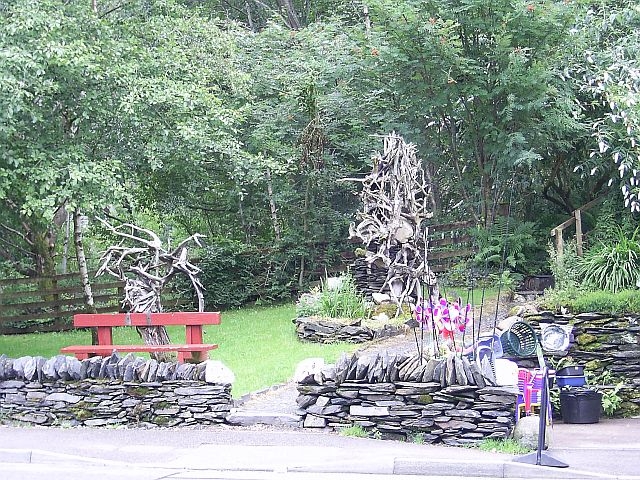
448, 317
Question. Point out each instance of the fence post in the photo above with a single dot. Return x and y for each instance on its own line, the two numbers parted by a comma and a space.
559, 241
578, 216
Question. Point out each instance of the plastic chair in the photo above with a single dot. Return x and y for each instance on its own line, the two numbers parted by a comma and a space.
530, 386
535, 395
523, 400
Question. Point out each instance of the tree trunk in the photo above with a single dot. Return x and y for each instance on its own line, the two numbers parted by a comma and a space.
154, 335
289, 14
305, 228
272, 205
249, 16
367, 22
243, 222
65, 248
84, 272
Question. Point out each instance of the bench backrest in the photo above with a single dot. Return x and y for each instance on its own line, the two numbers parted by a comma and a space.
145, 319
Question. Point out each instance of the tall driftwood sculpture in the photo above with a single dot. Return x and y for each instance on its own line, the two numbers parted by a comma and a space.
146, 267
392, 224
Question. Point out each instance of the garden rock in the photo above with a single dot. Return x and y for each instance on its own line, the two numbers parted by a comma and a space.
109, 391
218, 372
308, 368
526, 432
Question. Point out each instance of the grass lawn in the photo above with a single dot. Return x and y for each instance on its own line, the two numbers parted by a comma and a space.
259, 345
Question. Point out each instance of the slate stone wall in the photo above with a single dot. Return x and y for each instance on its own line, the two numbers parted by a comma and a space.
446, 400
323, 330
109, 391
600, 343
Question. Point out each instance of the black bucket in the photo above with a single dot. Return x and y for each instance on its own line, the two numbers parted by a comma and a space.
580, 406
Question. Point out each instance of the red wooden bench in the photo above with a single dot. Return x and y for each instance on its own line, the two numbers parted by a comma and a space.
193, 350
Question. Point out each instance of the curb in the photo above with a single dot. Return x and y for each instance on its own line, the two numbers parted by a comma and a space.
398, 466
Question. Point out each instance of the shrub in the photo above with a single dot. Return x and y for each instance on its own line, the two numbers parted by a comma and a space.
234, 274
581, 301
339, 300
626, 301
516, 242
564, 267
612, 266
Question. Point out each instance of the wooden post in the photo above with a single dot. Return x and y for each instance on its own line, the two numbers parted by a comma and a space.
578, 216
559, 241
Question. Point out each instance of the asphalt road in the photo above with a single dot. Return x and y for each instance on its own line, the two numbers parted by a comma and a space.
607, 450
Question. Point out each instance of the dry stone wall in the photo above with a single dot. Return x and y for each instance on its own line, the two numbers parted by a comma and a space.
445, 400
601, 343
110, 391
323, 330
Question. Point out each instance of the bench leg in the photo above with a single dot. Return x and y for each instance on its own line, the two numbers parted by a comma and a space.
192, 357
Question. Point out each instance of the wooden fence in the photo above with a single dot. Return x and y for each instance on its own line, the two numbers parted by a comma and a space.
449, 243
576, 220
46, 304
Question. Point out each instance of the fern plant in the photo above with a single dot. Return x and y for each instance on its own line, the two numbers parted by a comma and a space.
612, 266
516, 241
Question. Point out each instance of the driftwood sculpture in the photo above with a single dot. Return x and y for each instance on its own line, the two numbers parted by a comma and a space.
392, 224
145, 268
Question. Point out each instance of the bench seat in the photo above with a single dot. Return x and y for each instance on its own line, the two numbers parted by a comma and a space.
196, 352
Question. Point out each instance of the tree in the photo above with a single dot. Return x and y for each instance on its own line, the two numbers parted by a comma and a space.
105, 110
53, 80
305, 130
479, 91
606, 71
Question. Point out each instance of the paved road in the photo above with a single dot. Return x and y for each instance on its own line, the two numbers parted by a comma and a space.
607, 450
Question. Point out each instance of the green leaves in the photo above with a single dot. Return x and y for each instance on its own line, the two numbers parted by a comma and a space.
481, 77
613, 266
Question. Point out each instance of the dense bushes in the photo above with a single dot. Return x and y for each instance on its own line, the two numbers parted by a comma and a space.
510, 244
235, 274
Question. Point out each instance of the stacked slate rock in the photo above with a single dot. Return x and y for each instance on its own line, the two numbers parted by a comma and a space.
446, 400
324, 330
604, 342
601, 343
128, 368
369, 278
111, 390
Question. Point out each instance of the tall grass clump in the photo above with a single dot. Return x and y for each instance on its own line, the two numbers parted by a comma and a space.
612, 266
336, 298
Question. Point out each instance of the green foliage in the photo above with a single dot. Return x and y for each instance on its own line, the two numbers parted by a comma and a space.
234, 274
503, 446
356, 431
605, 69
564, 267
626, 301
417, 438
581, 301
339, 299
611, 400
482, 75
510, 244
612, 266
100, 110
